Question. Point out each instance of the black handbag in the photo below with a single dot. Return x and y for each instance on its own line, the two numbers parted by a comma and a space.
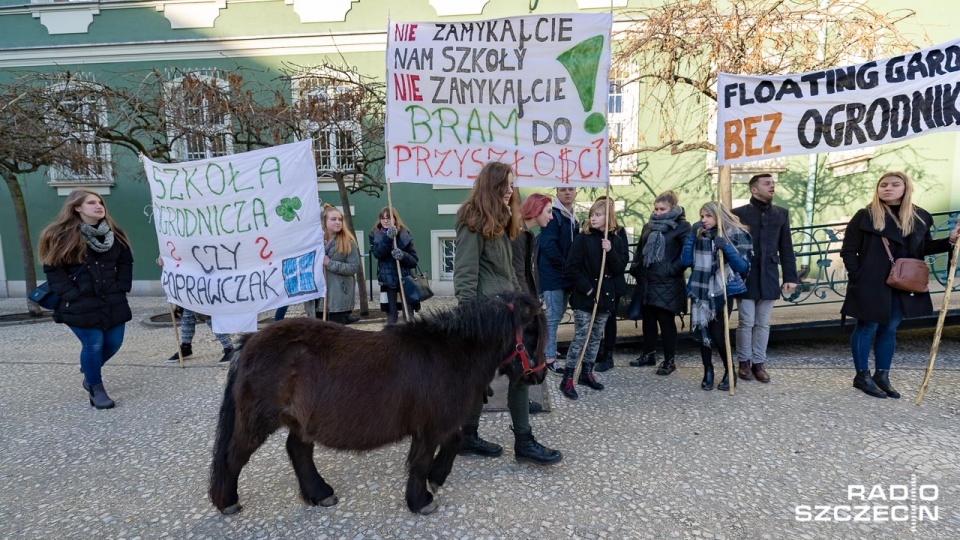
46, 298
416, 286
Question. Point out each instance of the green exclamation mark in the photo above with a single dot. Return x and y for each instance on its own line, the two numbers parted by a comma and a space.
583, 62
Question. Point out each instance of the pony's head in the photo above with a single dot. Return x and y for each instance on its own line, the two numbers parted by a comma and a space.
527, 362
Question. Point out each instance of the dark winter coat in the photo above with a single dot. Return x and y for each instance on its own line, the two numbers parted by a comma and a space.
97, 296
554, 244
772, 249
483, 267
524, 257
583, 268
623, 247
869, 298
662, 283
381, 246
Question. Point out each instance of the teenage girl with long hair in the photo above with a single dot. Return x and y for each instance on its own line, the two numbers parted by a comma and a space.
486, 224
87, 259
389, 226
341, 261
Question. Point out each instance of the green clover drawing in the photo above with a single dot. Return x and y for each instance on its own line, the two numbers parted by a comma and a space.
287, 209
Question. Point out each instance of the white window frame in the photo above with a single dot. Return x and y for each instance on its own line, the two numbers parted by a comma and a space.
437, 239
68, 178
180, 149
331, 158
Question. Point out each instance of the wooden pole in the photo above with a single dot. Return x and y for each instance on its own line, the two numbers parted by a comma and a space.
176, 333
596, 300
936, 335
403, 293
726, 200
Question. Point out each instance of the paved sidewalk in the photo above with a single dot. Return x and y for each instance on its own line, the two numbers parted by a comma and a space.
649, 457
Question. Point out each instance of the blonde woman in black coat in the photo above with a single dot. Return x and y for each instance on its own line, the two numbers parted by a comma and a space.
878, 307
87, 259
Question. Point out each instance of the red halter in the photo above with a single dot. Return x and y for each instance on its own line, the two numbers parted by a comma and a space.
522, 351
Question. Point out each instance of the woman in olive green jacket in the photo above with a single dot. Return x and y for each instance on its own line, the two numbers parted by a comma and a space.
486, 224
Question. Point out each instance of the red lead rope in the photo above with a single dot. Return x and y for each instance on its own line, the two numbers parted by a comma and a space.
522, 351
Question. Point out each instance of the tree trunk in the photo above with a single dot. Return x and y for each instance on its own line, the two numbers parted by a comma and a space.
348, 223
23, 235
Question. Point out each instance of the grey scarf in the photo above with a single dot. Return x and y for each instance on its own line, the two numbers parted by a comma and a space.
654, 249
91, 235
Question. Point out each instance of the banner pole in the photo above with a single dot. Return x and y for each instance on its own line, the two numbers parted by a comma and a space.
596, 300
723, 187
176, 332
940, 319
403, 293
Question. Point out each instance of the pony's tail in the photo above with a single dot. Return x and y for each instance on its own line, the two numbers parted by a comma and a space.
219, 473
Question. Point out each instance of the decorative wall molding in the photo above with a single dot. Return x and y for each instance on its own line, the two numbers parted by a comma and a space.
194, 49
200, 14
66, 18
311, 11
447, 8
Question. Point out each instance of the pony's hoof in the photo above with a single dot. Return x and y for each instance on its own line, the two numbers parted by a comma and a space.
434, 487
232, 509
329, 501
429, 509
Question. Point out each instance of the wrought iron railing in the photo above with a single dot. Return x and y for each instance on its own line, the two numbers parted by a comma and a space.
823, 277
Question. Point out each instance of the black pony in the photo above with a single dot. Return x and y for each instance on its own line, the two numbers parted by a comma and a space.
358, 390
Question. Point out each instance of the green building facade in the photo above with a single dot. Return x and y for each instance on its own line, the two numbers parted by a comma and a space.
99, 38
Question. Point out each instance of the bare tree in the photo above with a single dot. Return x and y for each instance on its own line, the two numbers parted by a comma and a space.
35, 139
677, 50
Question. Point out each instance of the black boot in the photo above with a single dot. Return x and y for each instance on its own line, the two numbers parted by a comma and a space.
604, 360
645, 359
526, 448
566, 384
667, 367
587, 379
881, 377
99, 397
185, 348
707, 382
863, 382
725, 381
473, 444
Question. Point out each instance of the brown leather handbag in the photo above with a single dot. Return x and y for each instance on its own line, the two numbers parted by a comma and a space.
911, 275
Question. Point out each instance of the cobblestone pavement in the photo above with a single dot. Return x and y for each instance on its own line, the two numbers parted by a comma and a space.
649, 457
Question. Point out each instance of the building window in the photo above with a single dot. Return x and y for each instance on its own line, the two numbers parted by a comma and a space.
615, 97
329, 110
198, 117
80, 111
448, 252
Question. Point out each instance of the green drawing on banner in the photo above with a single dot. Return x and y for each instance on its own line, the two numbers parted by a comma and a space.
287, 209
582, 62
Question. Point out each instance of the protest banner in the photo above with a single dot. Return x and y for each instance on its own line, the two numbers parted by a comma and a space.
529, 91
841, 108
239, 234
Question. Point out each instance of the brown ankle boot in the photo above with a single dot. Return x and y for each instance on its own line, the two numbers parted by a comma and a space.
760, 373
743, 371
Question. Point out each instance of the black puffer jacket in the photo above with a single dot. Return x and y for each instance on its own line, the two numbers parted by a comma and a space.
381, 246
583, 268
662, 284
97, 296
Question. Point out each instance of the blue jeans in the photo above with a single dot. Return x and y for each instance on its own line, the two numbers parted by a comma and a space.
556, 303
97, 346
883, 337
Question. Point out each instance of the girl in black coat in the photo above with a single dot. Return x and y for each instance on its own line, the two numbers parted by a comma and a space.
382, 245
660, 284
89, 265
878, 307
583, 269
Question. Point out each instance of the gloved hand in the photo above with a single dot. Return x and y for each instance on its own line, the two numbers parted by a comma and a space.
397, 253
391, 232
720, 242
697, 225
